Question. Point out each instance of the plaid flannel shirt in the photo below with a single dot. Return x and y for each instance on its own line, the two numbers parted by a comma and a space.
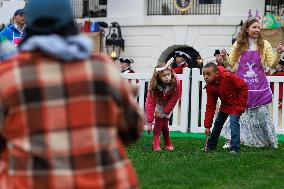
65, 124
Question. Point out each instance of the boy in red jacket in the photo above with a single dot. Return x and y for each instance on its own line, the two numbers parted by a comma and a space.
233, 93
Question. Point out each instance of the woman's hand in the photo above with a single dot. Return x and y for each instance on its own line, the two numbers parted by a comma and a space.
223, 54
280, 48
159, 115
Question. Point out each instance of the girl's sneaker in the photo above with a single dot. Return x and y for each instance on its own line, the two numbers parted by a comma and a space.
168, 143
169, 147
157, 149
156, 143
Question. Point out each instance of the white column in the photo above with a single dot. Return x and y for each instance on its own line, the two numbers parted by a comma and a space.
241, 7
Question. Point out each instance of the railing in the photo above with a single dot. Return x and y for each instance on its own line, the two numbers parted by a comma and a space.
180, 112
194, 108
274, 6
198, 7
89, 8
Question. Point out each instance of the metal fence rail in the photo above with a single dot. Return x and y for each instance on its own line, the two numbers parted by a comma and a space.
198, 7
190, 118
274, 6
89, 8
180, 112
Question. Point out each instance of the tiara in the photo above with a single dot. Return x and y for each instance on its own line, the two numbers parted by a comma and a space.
250, 15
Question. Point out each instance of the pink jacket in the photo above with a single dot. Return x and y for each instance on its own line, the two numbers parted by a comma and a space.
163, 102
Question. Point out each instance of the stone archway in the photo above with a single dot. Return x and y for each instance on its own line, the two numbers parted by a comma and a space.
169, 52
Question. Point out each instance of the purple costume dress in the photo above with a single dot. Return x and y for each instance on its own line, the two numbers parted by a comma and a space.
256, 126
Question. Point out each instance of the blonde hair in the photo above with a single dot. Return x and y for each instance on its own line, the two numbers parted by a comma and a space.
243, 39
156, 80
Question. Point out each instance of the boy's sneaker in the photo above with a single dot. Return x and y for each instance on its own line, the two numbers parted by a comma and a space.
206, 150
234, 152
226, 146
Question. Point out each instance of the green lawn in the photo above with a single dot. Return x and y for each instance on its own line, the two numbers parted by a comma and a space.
189, 167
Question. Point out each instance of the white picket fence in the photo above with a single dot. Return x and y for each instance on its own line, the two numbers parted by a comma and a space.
196, 112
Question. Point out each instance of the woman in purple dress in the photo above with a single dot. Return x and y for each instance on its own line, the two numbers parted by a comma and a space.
250, 54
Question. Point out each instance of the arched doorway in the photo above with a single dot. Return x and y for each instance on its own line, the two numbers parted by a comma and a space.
196, 62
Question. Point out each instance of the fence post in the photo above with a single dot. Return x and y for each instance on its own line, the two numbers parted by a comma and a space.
194, 100
185, 100
142, 94
275, 101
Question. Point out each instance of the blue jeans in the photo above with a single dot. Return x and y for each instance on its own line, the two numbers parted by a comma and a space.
218, 125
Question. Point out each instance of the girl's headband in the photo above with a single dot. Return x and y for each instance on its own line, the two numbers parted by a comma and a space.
169, 62
251, 17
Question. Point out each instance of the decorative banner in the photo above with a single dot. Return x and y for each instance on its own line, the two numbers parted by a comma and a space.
183, 5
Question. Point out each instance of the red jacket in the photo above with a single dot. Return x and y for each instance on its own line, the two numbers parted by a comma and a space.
165, 100
66, 125
179, 68
232, 91
280, 85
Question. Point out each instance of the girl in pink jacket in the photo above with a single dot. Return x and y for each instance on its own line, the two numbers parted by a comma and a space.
163, 94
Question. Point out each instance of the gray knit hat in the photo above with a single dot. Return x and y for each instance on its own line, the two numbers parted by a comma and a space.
59, 10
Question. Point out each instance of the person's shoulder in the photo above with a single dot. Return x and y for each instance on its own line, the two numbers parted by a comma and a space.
101, 58
9, 63
7, 30
105, 67
235, 44
18, 59
10, 27
223, 72
4, 30
266, 43
226, 74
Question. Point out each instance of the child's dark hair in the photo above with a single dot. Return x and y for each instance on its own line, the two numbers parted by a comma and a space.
211, 64
156, 80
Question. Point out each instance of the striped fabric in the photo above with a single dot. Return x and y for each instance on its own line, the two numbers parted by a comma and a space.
65, 124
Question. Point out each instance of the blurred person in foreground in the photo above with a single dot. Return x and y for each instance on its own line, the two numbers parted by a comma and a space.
65, 115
